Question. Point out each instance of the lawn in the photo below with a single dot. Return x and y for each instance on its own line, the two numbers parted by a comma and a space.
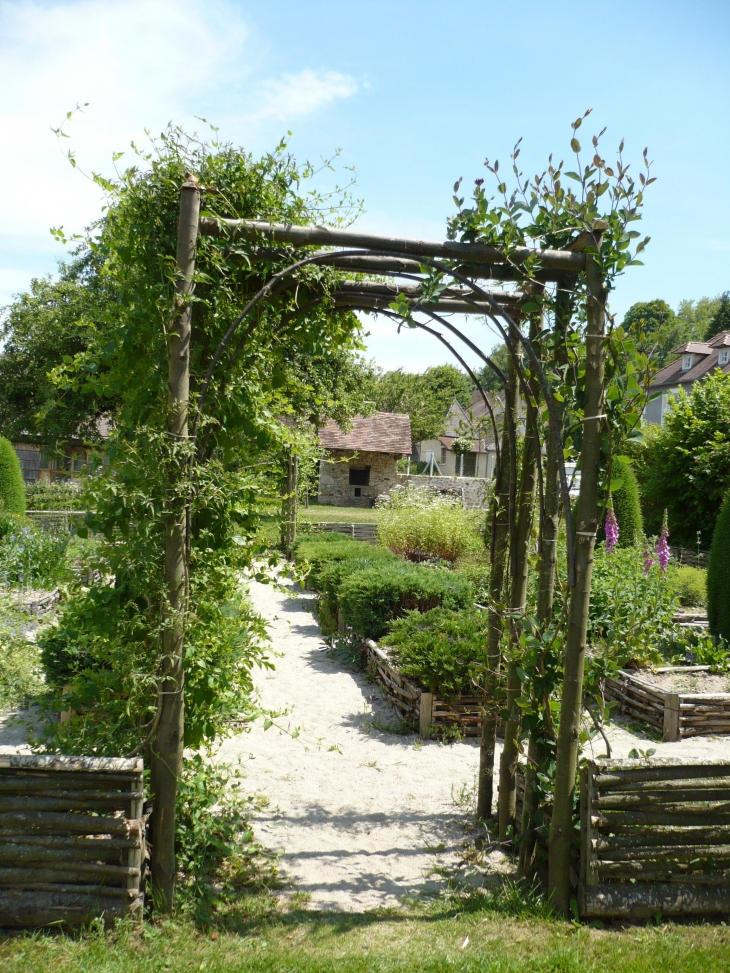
303, 942
317, 513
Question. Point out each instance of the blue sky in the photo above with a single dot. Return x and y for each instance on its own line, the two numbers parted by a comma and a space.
415, 92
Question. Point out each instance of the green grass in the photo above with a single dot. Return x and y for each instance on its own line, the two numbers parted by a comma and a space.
348, 515
302, 942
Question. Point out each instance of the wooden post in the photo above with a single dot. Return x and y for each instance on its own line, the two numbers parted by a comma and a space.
167, 746
561, 825
425, 716
671, 717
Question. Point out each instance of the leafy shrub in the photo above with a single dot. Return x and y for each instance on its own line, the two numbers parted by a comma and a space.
21, 675
321, 550
690, 585
718, 574
630, 609
12, 488
59, 495
439, 648
371, 597
31, 556
418, 522
330, 579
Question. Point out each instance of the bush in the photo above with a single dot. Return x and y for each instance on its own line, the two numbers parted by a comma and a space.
441, 649
329, 581
627, 508
12, 488
321, 550
59, 495
690, 585
718, 575
372, 597
31, 556
418, 523
21, 676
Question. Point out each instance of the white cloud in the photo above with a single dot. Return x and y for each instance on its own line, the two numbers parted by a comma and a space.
139, 64
301, 94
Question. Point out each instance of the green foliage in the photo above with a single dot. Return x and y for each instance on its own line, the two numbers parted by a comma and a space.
631, 608
31, 557
488, 379
690, 585
720, 319
627, 508
685, 463
371, 597
718, 575
330, 578
58, 495
52, 323
21, 676
318, 551
441, 649
12, 489
419, 523
425, 397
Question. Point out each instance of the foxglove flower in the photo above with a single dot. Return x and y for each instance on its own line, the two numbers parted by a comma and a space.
662, 547
648, 560
612, 530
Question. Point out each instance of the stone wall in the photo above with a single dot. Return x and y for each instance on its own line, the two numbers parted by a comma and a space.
474, 492
334, 478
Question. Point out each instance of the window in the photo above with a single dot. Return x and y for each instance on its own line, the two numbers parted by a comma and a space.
724, 357
686, 363
29, 463
470, 464
360, 477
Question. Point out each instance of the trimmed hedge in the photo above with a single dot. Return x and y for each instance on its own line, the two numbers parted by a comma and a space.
330, 578
319, 551
12, 488
627, 507
691, 586
441, 649
372, 597
718, 574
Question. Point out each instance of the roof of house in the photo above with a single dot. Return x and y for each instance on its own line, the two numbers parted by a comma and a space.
385, 432
705, 360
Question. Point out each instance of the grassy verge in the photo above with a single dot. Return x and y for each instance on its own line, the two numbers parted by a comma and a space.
348, 515
303, 942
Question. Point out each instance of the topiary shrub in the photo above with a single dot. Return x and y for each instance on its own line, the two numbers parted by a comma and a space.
319, 551
12, 488
329, 580
691, 586
627, 507
718, 574
441, 649
372, 597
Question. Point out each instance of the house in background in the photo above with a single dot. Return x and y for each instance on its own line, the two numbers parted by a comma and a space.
363, 463
41, 463
697, 360
470, 423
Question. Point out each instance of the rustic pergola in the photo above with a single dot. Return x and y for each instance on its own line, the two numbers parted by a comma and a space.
410, 265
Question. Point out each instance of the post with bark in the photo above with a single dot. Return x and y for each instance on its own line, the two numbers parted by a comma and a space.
561, 826
290, 485
167, 746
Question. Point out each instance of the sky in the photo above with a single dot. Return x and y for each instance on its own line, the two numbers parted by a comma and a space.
415, 94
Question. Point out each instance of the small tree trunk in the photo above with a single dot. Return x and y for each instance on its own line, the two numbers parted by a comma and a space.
561, 827
167, 747
518, 597
498, 568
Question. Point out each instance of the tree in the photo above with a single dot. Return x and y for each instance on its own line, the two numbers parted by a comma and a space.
425, 397
488, 378
41, 329
720, 320
697, 315
685, 463
12, 488
718, 574
656, 328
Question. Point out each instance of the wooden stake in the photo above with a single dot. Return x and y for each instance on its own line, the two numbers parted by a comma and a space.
167, 746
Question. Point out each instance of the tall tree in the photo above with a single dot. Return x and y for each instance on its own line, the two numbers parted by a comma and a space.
426, 397
720, 320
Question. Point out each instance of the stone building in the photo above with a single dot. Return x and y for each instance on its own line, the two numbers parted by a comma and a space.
362, 463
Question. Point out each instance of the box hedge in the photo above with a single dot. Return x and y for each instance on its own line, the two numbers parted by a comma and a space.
318, 551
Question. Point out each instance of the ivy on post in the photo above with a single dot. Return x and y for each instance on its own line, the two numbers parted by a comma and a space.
167, 746
561, 827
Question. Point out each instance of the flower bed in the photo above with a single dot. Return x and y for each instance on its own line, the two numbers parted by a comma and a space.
666, 700
425, 711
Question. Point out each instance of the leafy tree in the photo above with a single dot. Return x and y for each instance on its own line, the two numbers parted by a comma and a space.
720, 319
718, 575
697, 315
52, 323
659, 330
12, 488
487, 378
685, 464
425, 397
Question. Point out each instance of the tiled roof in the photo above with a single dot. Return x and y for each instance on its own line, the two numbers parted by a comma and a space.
385, 432
706, 354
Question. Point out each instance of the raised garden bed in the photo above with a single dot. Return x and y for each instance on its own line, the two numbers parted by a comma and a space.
679, 701
425, 711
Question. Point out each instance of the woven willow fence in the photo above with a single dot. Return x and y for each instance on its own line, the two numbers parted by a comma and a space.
72, 839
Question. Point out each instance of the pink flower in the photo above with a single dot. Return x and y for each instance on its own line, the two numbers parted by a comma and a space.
662, 547
648, 561
612, 530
